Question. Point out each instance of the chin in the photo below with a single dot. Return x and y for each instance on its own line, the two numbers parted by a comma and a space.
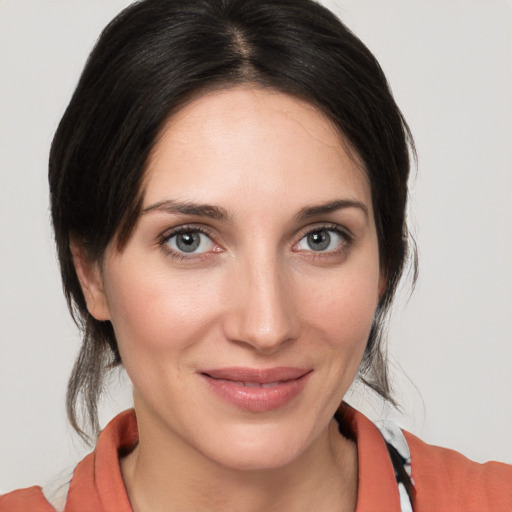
257, 461
259, 449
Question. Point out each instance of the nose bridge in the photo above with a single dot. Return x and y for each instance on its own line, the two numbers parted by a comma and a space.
263, 312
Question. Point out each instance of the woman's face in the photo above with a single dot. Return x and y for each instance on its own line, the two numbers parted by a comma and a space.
244, 299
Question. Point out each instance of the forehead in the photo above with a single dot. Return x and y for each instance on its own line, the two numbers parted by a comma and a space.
252, 141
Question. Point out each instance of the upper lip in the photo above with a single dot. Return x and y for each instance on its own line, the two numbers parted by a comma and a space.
257, 375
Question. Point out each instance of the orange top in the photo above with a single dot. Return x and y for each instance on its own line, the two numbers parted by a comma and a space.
445, 480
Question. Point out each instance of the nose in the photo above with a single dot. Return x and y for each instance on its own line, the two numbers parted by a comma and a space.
261, 306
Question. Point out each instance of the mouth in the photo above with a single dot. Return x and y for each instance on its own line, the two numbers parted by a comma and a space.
257, 390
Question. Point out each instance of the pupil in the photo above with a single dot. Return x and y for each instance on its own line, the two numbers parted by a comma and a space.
319, 240
188, 242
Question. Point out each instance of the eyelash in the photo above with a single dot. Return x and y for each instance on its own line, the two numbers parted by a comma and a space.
348, 240
165, 237
344, 233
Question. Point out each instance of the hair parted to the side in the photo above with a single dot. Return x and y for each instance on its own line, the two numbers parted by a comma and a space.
151, 59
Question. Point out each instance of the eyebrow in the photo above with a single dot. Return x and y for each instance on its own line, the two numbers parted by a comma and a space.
331, 206
189, 208
219, 213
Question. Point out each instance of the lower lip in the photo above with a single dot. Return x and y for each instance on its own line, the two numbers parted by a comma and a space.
257, 399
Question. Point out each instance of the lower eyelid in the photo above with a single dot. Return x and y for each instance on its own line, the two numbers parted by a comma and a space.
346, 238
343, 246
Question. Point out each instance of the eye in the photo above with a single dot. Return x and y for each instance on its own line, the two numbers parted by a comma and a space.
322, 240
189, 241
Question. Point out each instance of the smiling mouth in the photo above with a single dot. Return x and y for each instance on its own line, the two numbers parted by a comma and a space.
257, 390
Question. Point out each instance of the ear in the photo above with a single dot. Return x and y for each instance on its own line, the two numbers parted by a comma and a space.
383, 283
91, 280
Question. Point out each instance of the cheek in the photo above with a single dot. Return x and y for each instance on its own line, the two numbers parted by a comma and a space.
153, 312
344, 306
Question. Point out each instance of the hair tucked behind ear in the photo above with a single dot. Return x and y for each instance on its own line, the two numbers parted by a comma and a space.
158, 54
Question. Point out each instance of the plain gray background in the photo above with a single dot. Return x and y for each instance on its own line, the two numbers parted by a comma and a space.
449, 64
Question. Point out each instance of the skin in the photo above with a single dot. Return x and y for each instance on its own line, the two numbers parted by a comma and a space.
254, 294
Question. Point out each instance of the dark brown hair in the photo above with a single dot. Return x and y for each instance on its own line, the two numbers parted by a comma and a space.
153, 57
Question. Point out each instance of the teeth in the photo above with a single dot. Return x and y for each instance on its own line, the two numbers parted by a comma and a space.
270, 385
237, 382
251, 384
257, 385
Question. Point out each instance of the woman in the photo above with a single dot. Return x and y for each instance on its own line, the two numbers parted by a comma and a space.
229, 211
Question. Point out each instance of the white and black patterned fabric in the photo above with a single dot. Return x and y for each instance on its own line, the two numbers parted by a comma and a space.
401, 458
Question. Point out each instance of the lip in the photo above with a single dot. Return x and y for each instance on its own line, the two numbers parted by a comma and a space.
257, 390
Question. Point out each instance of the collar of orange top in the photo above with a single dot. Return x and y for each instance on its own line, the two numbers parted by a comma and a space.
97, 483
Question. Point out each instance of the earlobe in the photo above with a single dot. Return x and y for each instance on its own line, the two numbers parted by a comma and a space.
383, 283
91, 280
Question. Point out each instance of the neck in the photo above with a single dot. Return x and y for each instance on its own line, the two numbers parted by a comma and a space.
164, 474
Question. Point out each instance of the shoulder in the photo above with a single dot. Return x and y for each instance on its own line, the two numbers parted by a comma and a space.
97, 482
446, 480
23, 500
